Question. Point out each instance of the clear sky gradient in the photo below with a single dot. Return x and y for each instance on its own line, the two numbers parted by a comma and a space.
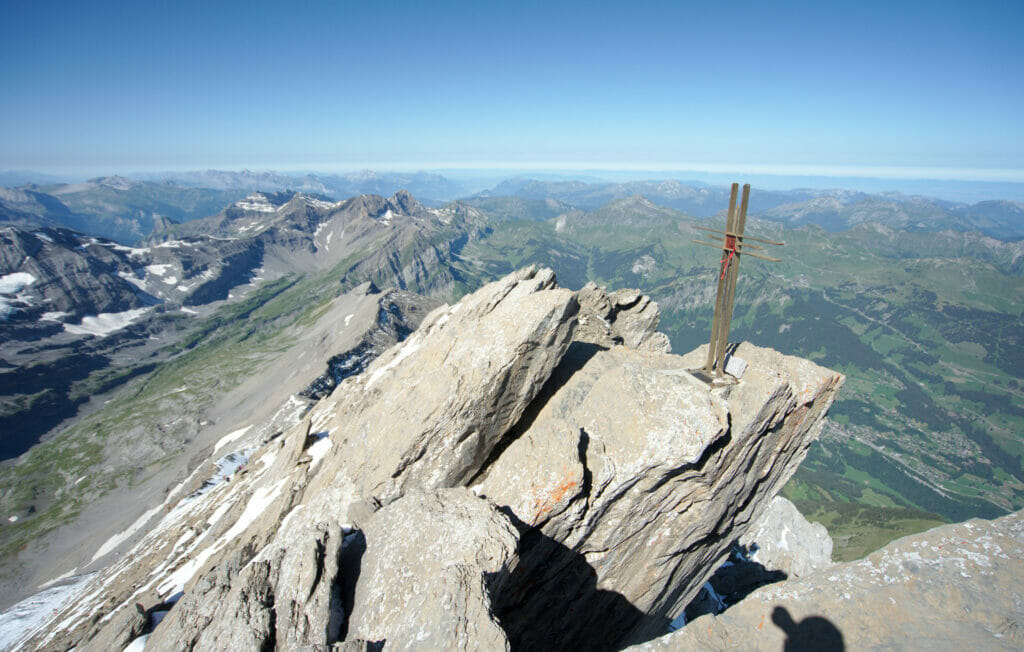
824, 87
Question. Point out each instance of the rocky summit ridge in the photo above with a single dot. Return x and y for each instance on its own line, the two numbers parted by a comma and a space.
953, 586
530, 468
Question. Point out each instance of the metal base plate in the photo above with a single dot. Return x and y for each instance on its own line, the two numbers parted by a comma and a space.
713, 381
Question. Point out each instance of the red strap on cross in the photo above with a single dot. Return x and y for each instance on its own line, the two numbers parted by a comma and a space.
725, 262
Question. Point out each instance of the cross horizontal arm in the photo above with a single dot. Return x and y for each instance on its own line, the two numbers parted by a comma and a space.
750, 253
740, 250
739, 235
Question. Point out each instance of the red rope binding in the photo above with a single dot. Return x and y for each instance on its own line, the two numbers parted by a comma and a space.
730, 246
725, 263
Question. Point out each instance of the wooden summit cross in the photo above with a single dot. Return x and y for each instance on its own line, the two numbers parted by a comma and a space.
732, 247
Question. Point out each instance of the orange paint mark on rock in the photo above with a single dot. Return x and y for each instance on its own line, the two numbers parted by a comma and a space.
544, 504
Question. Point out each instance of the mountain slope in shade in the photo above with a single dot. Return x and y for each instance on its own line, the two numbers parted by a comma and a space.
85, 315
75, 490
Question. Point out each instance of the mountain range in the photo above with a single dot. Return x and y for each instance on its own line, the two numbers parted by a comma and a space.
924, 322
129, 210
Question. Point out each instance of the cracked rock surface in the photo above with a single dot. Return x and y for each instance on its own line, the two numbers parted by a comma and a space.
431, 562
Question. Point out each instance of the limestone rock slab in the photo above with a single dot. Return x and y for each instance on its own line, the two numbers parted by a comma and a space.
659, 475
431, 560
427, 414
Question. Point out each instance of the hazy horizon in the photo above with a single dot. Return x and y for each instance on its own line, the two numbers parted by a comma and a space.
478, 179
878, 89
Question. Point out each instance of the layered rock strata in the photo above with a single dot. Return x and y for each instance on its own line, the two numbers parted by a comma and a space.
609, 483
653, 478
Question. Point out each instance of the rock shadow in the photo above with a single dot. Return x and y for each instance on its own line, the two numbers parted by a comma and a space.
811, 633
734, 580
576, 357
352, 549
551, 601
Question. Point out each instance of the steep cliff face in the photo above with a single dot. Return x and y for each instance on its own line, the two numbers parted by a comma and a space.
499, 479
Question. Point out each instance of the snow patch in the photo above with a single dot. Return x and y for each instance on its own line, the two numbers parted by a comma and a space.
230, 437
175, 582
318, 450
105, 323
121, 537
319, 203
10, 285
19, 622
53, 316
226, 467
59, 578
134, 280
188, 311
258, 503
43, 236
133, 252
16, 282
137, 644
256, 202
348, 318
405, 352
158, 270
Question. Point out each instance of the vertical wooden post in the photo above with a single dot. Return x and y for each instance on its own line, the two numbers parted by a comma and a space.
732, 271
716, 320
731, 245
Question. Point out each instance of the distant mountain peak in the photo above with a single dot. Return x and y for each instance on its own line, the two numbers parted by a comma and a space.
114, 182
264, 202
403, 202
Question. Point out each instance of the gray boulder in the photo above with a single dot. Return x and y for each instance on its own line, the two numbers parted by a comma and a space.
288, 595
621, 317
431, 561
783, 540
427, 414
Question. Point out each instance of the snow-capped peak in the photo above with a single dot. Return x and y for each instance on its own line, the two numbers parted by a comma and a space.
256, 201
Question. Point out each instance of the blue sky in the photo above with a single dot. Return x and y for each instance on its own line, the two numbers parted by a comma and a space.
932, 88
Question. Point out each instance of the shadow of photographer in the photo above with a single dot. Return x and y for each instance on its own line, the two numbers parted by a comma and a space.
811, 633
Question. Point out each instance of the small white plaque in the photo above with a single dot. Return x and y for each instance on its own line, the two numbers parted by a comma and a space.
735, 366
